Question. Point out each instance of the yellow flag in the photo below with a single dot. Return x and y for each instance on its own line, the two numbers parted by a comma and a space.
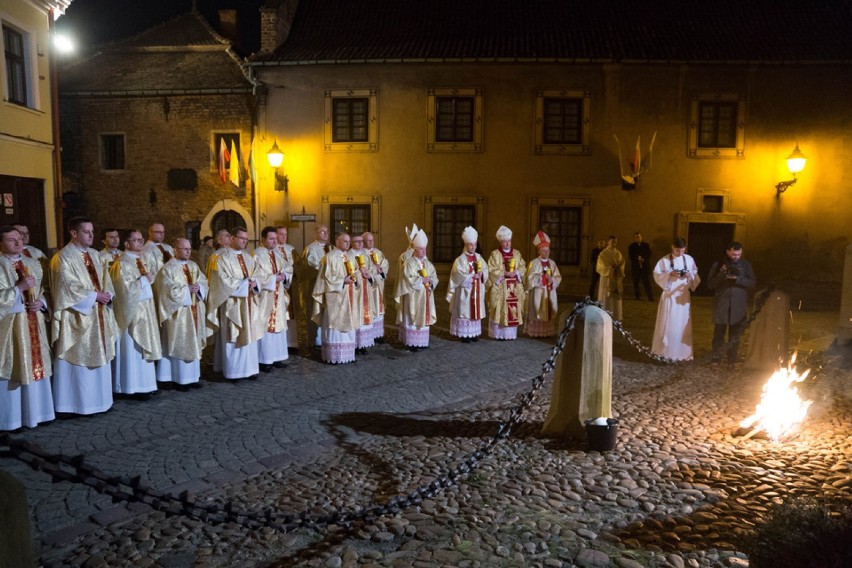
234, 172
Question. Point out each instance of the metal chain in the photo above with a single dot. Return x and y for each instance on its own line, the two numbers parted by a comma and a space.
121, 488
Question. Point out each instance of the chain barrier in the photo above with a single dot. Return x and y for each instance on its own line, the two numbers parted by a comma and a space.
74, 469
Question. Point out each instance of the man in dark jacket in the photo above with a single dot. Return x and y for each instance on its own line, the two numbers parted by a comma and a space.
731, 278
640, 265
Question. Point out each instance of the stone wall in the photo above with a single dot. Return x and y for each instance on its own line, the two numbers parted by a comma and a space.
161, 133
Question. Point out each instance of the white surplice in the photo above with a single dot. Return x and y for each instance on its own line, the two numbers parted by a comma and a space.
673, 332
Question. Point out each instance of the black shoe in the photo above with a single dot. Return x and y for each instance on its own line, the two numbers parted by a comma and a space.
280, 365
264, 368
361, 350
253, 377
379, 340
466, 340
144, 395
475, 339
197, 385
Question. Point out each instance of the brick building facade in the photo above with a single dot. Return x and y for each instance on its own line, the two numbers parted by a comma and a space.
142, 124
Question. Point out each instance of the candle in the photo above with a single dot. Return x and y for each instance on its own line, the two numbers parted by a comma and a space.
374, 256
478, 265
349, 269
30, 293
361, 261
511, 265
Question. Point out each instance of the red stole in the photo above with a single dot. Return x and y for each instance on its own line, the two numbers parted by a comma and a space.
475, 289
32, 323
545, 312
511, 297
270, 324
166, 255
242, 262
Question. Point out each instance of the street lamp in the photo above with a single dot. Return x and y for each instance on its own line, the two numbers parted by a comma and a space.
276, 157
795, 163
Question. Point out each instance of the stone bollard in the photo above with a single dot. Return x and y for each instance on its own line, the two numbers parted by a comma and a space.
15, 544
770, 336
582, 380
844, 330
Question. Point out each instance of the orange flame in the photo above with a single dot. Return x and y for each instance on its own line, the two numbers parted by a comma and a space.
780, 408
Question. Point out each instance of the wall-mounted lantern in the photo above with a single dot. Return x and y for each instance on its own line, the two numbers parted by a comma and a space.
795, 163
276, 157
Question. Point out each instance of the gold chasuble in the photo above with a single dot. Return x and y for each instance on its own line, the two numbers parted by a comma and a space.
339, 301
136, 316
541, 295
506, 295
24, 347
156, 255
241, 315
379, 270
184, 327
274, 302
86, 340
471, 298
108, 257
413, 298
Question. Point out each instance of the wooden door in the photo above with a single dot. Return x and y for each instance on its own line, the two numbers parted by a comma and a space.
706, 243
23, 203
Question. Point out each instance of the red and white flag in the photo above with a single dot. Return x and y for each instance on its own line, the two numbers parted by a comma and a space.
224, 158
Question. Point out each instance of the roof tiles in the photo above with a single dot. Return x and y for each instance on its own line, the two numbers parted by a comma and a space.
649, 30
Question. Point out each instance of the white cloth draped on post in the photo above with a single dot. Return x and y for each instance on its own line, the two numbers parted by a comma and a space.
770, 334
587, 355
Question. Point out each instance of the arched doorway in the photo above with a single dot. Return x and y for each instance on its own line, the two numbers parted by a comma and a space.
227, 219
227, 214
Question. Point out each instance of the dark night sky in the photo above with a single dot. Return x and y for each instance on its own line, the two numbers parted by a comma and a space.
94, 22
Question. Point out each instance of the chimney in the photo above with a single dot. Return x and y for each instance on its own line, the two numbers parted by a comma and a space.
228, 26
276, 20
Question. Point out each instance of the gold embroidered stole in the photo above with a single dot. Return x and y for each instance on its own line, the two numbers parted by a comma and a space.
32, 322
96, 282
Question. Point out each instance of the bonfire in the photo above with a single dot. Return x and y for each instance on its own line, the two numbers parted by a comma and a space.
780, 408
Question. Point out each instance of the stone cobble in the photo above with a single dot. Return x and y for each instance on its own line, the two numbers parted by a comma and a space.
680, 489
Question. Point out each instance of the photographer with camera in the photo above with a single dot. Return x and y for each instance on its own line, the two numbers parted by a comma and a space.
677, 275
731, 278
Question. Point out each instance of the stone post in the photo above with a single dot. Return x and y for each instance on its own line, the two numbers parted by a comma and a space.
770, 336
15, 544
582, 380
844, 331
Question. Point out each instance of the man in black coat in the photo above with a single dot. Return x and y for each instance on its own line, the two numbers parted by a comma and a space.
731, 278
640, 265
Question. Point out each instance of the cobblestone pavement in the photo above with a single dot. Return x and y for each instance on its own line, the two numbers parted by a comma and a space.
679, 490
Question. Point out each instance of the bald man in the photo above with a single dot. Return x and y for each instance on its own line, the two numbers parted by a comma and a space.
180, 289
157, 251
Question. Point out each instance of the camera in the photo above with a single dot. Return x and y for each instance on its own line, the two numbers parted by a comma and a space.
682, 272
733, 269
